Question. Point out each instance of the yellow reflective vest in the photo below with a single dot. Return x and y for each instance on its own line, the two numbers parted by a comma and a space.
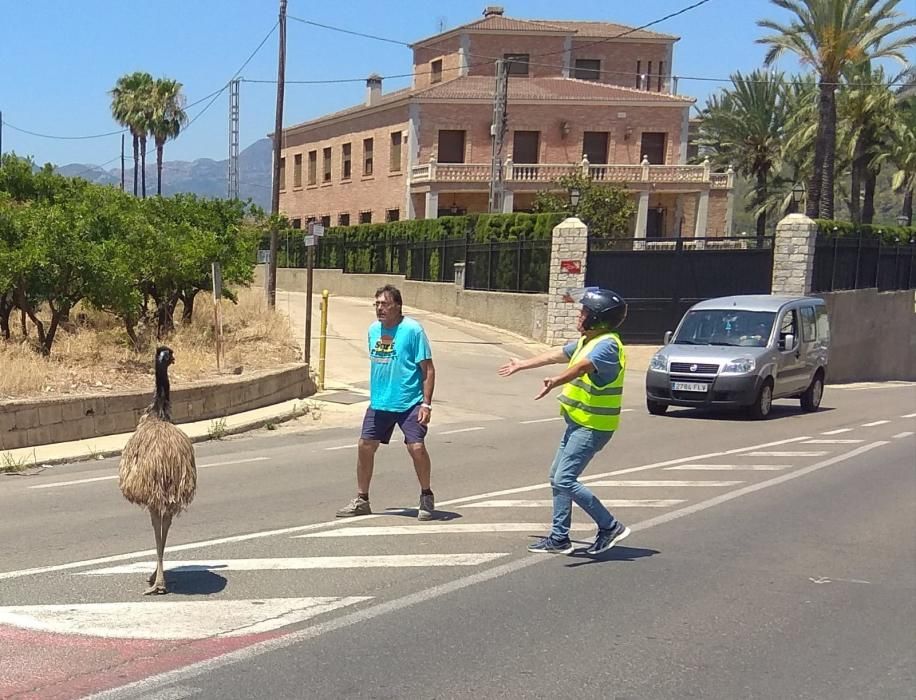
590, 405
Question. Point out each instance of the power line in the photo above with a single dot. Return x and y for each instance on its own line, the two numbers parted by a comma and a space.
349, 31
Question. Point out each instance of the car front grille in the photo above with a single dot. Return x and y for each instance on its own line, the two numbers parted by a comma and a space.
685, 368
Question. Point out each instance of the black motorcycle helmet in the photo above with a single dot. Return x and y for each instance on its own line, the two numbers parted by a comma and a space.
606, 309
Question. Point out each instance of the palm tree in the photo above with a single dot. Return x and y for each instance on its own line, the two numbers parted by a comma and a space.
829, 35
902, 153
168, 116
130, 99
744, 127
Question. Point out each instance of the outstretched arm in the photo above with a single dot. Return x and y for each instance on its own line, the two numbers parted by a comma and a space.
551, 357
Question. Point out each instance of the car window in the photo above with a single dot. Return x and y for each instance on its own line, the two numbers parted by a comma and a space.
808, 324
823, 324
788, 325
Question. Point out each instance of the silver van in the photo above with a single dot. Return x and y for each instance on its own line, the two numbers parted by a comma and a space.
743, 351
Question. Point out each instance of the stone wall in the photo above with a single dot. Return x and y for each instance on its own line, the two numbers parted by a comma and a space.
793, 255
26, 423
568, 258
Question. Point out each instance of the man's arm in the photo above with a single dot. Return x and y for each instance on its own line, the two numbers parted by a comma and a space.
429, 386
551, 357
584, 366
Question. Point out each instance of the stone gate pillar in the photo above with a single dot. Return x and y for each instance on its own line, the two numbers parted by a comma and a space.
568, 258
793, 255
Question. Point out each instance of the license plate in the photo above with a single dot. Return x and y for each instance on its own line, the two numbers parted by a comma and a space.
689, 386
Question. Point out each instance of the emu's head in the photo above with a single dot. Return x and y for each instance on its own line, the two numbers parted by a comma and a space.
164, 356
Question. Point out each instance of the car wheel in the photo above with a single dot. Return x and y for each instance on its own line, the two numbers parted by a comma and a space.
811, 399
763, 404
656, 408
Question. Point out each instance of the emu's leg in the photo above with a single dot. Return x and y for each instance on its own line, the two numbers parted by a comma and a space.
157, 530
161, 528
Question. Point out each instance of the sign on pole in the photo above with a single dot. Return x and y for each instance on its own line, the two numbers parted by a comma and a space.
310, 240
217, 310
217, 282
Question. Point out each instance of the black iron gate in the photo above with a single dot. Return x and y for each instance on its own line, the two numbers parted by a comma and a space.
662, 278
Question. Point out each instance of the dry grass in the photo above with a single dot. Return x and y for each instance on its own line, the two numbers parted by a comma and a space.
95, 356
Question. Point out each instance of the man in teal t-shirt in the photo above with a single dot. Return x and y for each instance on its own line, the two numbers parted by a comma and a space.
401, 383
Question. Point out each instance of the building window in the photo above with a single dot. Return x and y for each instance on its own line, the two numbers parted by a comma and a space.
518, 63
313, 167
588, 69
648, 83
297, 170
365, 217
326, 221
451, 146
395, 164
392, 214
435, 71
594, 147
661, 74
345, 161
367, 156
326, 164
525, 146
297, 223
343, 219
653, 147
282, 175
639, 75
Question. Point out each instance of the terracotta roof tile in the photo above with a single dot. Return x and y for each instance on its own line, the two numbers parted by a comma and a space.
599, 30
481, 87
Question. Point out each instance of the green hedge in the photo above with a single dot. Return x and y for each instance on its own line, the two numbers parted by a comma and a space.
484, 227
889, 234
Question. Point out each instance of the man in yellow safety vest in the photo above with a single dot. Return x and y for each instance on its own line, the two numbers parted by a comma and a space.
590, 402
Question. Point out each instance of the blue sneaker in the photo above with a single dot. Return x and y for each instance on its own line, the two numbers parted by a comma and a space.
548, 545
608, 538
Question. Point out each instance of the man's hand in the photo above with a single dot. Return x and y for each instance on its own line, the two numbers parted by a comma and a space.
549, 383
424, 415
510, 368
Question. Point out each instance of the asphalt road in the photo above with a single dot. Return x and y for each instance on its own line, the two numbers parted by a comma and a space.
770, 559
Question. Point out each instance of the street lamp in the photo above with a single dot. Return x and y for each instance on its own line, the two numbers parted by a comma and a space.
902, 220
798, 194
574, 195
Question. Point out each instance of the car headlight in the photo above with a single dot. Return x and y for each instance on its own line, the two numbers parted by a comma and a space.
658, 363
742, 365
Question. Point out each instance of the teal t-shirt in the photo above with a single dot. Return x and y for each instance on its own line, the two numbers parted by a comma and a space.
395, 354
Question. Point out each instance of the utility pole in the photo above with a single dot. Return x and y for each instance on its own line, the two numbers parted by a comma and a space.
498, 133
278, 136
122, 162
234, 138
1, 132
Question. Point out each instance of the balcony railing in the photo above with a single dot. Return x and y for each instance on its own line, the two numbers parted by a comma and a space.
536, 173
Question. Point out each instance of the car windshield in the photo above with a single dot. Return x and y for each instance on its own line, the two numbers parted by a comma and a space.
726, 327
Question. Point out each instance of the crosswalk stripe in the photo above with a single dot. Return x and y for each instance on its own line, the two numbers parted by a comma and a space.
832, 442
902, 435
434, 529
302, 563
626, 503
785, 454
662, 484
837, 431
874, 423
729, 467
909, 415
541, 420
462, 430
193, 619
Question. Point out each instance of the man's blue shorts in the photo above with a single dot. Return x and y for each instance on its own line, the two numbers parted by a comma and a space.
379, 425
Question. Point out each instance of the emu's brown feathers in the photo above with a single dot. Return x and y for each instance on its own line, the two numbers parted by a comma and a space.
157, 469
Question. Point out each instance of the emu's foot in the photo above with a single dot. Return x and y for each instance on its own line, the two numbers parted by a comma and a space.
151, 579
156, 589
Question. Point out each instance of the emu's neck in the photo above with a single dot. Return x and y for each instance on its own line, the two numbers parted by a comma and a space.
162, 406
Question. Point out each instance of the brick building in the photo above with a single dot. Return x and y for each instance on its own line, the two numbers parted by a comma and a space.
580, 97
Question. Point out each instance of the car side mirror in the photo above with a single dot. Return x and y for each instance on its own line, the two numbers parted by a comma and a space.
668, 335
788, 341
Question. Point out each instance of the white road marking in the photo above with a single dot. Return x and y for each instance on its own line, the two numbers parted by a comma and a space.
784, 454
839, 431
833, 442
541, 420
730, 467
903, 435
115, 476
303, 563
230, 539
193, 619
874, 423
423, 596
340, 447
909, 415
462, 430
622, 503
174, 693
663, 484
435, 529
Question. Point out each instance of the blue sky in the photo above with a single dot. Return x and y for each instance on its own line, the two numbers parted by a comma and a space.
60, 58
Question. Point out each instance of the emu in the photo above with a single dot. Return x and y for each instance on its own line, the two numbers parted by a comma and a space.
157, 469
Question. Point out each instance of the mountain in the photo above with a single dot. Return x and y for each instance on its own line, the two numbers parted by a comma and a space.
204, 176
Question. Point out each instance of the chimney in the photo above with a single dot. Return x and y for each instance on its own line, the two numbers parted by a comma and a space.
493, 11
373, 89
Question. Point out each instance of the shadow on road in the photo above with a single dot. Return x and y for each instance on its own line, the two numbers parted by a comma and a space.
193, 581
441, 515
618, 553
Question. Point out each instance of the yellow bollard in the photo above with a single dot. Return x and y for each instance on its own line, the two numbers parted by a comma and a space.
323, 338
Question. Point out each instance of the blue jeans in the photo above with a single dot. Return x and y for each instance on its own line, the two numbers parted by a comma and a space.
577, 448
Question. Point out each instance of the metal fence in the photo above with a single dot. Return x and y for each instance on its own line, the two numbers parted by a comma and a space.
504, 266
862, 262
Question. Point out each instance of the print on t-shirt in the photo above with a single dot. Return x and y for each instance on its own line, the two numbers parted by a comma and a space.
384, 351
